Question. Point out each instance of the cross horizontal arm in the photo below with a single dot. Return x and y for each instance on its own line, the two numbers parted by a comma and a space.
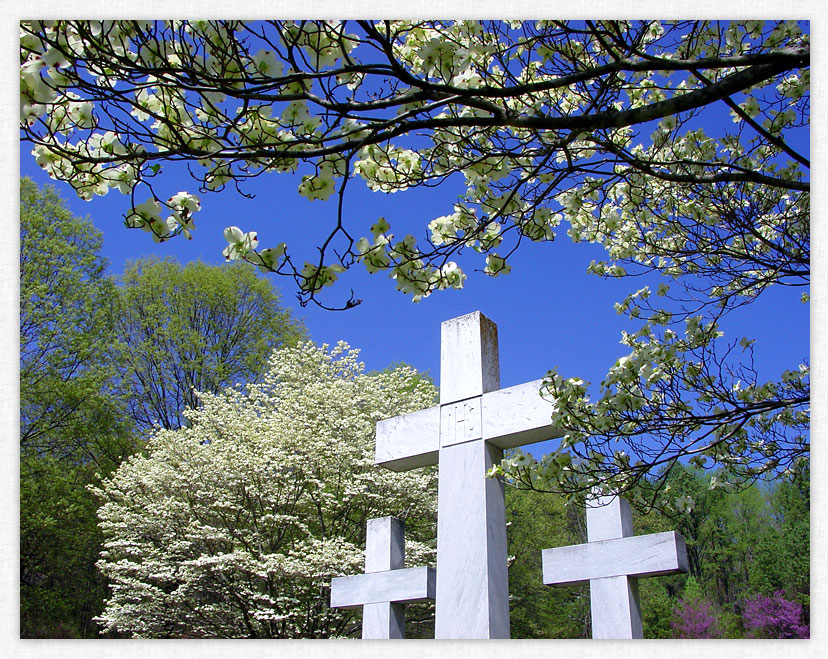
517, 416
511, 417
409, 441
416, 584
636, 556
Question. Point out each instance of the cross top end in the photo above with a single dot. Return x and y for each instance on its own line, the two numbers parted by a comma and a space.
607, 517
472, 405
469, 361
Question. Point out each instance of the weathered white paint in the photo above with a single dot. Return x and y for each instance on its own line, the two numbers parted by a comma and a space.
384, 551
611, 562
469, 364
472, 585
409, 441
517, 416
406, 585
615, 608
460, 422
511, 417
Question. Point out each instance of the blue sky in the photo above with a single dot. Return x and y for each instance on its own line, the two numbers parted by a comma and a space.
549, 311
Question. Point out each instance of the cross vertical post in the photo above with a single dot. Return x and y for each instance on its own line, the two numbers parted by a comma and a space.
466, 435
384, 550
616, 609
472, 581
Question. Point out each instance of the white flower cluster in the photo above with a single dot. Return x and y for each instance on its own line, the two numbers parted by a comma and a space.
234, 526
147, 216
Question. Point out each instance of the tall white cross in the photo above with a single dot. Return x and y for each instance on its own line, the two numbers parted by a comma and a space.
386, 586
466, 434
612, 562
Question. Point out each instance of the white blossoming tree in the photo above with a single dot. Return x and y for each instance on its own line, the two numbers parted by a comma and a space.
679, 146
234, 526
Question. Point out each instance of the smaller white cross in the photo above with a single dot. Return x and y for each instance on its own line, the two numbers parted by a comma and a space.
612, 562
386, 586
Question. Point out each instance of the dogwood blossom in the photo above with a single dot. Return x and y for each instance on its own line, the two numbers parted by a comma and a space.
545, 121
235, 525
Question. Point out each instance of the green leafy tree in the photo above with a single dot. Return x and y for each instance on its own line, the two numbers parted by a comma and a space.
782, 551
719, 529
66, 325
537, 521
657, 606
234, 525
736, 525
740, 544
676, 145
197, 327
60, 588
71, 425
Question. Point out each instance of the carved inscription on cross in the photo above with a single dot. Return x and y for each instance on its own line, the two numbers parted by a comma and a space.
466, 435
612, 562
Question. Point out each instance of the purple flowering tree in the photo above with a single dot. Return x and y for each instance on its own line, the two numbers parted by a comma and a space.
774, 617
695, 619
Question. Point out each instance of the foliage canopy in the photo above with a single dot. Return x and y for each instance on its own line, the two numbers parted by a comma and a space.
680, 146
71, 423
197, 327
